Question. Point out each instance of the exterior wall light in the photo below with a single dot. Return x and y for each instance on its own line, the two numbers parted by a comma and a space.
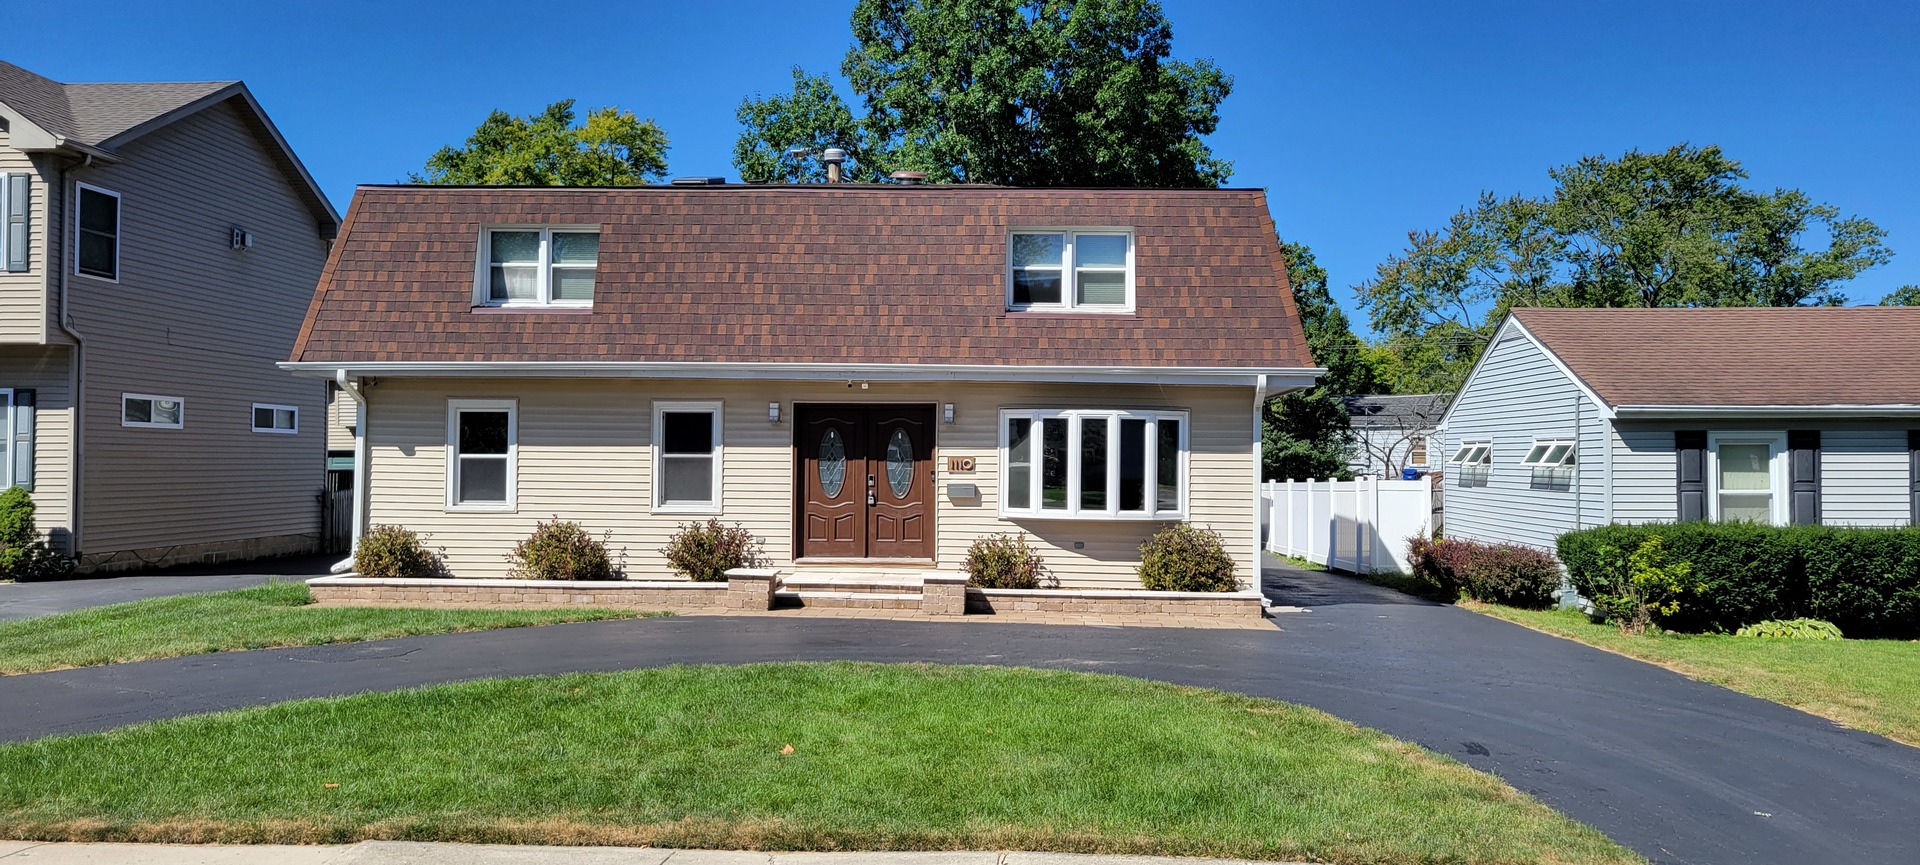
949, 413
773, 412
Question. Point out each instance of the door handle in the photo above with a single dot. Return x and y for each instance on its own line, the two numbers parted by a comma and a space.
872, 496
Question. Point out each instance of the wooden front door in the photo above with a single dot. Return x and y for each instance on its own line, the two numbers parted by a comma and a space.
866, 481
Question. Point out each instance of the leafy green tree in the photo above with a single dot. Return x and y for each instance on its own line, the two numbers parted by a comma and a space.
609, 147
1673, 228
1305, 433
1018, 92
1906, 295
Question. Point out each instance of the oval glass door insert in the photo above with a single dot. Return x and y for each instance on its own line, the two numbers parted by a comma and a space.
832, 464
900, 463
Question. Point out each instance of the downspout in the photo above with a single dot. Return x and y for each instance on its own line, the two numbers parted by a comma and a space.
1259, 439
361, 475
77, 375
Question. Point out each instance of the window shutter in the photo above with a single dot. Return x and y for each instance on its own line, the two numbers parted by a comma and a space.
23, 410
1913, 470
1803, 477
1690, 452
17, 195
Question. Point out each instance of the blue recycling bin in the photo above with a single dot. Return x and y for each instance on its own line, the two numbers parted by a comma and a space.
1409, 474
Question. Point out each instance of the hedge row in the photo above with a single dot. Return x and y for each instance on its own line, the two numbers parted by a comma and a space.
1865, 580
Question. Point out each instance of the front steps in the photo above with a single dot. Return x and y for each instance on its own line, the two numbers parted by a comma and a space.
844, 591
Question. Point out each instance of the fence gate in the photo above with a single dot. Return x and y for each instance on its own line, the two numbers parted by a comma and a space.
336, 520
1360, 526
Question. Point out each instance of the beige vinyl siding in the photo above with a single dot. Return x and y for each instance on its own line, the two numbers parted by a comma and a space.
1518, 396
23, 296
340, 419
46, 370
584, 454
192, 318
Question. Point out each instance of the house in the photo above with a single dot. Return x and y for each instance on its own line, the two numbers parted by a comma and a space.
1390, 432
865, 376
160, 249
1581, 417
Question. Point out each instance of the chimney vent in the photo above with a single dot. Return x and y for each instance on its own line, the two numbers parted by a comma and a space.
833, 157
909, 178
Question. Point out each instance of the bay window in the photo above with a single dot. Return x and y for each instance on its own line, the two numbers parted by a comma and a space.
1093, 464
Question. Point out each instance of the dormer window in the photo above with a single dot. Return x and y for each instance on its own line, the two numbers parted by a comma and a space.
1084, 270
538, 266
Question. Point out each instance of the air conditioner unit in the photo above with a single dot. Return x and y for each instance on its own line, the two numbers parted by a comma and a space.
242, 238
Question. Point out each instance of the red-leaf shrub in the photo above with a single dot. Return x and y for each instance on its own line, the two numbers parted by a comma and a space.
1494, 573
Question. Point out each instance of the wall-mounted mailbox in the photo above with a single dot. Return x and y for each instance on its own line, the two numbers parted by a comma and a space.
956, 492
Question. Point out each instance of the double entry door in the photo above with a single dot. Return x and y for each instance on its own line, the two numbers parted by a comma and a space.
865, 481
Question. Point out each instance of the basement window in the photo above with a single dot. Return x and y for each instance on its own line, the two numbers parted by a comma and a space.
152, 412
283, 419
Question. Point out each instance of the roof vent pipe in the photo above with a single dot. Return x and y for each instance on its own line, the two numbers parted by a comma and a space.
833, 157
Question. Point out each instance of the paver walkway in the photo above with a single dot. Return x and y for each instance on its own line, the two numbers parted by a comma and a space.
1679, 770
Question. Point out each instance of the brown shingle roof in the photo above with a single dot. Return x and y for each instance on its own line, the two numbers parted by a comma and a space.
1808, 356
806, 274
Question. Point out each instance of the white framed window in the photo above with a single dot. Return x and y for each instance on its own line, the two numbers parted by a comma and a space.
686, 457
152, 412
1747, 476
1550, 454
1084, 269
1473, 453
96, 247
482, 454
537, 266
7, 439
1111, 464
269, 418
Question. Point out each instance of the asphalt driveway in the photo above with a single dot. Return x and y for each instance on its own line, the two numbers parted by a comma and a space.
27, 600
1678, 770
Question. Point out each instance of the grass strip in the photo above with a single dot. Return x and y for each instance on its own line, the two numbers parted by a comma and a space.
1871, 685
793, 756
268, 616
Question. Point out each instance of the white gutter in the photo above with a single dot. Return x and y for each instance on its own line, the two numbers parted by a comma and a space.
1259, 439
1837, 410
1285, 378
361, 475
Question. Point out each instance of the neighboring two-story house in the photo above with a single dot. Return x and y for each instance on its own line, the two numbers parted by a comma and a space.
865, 376
161, 244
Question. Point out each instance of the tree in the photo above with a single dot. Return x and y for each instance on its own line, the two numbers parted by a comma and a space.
1304, 434
1673, 228
1395, 427
1017, 92
609, 148
1906, 295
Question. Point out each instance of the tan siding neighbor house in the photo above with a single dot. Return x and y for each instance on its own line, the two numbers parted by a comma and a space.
868, 378
161, 250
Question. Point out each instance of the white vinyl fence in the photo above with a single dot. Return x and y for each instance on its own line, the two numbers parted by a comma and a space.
1360, 526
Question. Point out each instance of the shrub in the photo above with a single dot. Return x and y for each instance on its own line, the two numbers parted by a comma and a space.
562, 551
1634, 587
1186, 558
392, 552
1004, 562
1864, 580
1792, 629
1495, 573
704, 552
24, 555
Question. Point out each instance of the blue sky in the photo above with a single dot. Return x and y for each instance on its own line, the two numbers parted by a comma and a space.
1364, 121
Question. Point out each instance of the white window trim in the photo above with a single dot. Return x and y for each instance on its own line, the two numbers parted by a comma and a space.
119, 230
6, 189
1776, 469
151, 424
1481, 451
483, 266
1068, 266
1074, 417
454, 408
1546, 446
253, 420
660, 409
6, 428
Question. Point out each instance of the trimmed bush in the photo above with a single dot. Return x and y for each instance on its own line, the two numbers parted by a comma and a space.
393, 552
1635, 587
704, 552
1864, 580
1004, 562
562, 551
24, 555
1495, 573
1186, 558
1792, 629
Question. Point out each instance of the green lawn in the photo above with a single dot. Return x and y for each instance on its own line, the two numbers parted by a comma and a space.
1871, 685
276, 614
883, 758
